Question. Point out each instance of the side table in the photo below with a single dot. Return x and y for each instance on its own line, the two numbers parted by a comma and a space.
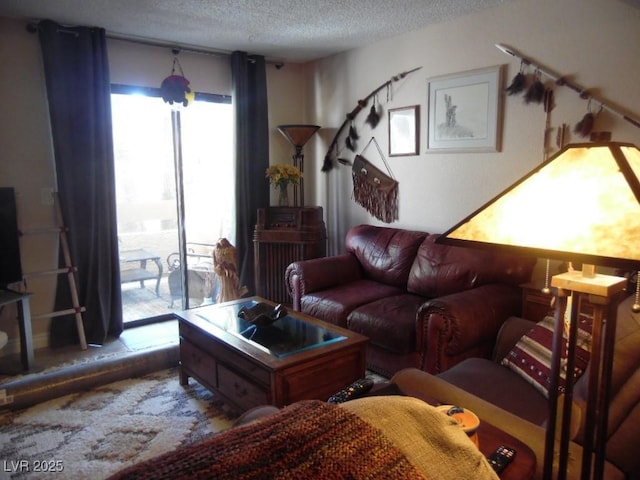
535, 304
523, 466
24, 322
141, 273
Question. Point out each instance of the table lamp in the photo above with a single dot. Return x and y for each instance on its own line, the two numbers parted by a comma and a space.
298, 135
581, 205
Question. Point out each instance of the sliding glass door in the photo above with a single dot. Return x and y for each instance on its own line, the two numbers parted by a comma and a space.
175, 199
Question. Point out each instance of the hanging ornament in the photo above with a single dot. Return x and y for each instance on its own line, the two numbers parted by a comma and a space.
519, 82
176, 88
548, 100
353, 133
585, 126
350, 144
535, 92
350, 141
374, 116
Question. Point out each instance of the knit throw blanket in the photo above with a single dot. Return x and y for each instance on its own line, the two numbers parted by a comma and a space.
307, 440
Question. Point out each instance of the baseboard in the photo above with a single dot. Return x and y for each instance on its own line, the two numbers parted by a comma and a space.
34, 389
12, 347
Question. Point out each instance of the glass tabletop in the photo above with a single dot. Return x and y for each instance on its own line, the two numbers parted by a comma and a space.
286, 336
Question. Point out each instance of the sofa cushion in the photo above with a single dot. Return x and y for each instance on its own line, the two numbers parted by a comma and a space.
531, 356
491, 382
385, 254
389, 322
334, 304
443, 269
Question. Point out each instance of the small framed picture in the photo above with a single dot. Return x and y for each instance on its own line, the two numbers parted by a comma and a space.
404, 125
464, 111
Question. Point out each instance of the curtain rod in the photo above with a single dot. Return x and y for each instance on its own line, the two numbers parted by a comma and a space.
563, 81
32, 27
182, 48
158, 43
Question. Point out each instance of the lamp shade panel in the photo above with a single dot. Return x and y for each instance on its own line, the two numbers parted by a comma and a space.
581, 204
298, 135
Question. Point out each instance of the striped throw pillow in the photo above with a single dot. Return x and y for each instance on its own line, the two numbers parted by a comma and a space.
531, 356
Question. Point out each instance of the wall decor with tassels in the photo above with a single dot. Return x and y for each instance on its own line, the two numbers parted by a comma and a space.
374, 189
535, 91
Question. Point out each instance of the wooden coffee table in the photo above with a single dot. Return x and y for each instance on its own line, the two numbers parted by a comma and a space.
297, 358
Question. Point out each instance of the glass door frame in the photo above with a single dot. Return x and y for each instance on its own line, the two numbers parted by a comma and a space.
179, 185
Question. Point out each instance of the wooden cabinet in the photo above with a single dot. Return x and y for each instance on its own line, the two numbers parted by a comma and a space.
282, 236
535, 304
206, 359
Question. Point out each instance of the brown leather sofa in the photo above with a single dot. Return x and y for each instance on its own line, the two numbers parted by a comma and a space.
503, 398
421, 304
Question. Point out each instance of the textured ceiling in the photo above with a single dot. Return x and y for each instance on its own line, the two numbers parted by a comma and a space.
281, 30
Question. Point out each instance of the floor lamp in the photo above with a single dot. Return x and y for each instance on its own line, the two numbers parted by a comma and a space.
298, 135
581, 205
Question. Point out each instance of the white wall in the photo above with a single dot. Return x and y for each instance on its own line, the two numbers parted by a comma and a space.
593, 41
26, 161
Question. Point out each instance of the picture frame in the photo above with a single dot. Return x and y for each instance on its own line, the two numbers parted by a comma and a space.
404, 131
465, 111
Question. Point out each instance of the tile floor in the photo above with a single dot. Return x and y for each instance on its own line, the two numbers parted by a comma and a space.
132, 340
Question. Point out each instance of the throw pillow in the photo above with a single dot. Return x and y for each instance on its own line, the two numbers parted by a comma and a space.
531, 356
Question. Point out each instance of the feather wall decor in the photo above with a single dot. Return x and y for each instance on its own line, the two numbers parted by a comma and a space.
332, 153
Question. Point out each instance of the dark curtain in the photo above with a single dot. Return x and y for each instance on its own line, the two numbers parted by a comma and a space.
77, 79
252, 154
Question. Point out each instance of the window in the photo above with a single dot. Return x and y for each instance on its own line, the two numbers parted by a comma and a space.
175, 192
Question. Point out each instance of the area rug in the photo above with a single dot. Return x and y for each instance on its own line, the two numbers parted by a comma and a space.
96, 433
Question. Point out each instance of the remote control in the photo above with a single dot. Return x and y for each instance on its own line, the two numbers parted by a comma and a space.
357, 388
501, 458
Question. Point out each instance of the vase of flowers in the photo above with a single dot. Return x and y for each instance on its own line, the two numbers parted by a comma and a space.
280, 176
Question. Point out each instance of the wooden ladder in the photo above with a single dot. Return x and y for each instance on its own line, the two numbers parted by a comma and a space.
68, 268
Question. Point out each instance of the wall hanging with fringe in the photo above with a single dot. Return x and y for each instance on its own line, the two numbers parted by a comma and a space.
373, 189
372, 119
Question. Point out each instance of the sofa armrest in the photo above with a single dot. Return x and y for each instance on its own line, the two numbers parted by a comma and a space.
464, 324
510, 332
315, 274
430, 388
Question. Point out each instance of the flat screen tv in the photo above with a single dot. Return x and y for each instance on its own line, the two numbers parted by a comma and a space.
10, 265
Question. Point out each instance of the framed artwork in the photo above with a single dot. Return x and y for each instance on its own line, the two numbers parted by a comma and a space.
465, 111
404, 127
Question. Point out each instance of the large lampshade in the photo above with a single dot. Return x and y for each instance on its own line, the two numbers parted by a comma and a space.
582, 205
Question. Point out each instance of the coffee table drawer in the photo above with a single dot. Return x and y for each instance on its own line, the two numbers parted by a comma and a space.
240, 390
198, 362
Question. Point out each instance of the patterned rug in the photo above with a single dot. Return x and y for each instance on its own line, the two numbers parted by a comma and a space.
94, 434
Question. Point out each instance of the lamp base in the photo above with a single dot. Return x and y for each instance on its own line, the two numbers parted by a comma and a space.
604, 292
